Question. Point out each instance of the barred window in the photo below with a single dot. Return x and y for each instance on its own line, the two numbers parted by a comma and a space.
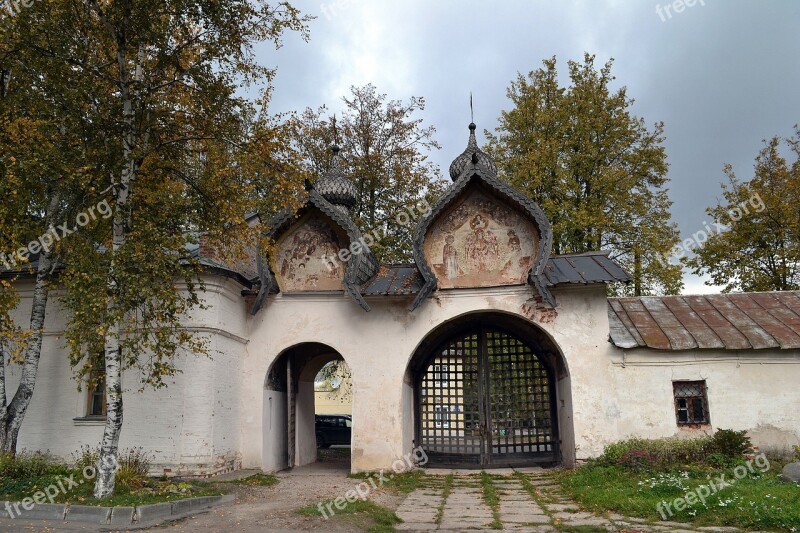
691, 402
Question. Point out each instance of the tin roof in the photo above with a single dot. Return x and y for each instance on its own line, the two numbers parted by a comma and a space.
587, 268
740, 321
394, 280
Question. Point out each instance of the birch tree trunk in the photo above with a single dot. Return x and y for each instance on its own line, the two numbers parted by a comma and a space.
109, 448
11, 415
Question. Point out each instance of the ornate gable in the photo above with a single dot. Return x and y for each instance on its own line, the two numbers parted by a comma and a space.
482, 232
310, 244
481, 241
306, 255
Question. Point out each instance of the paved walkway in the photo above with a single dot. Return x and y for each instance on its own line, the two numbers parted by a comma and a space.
527, 502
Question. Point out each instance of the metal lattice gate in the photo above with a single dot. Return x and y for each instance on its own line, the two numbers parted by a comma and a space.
486, 399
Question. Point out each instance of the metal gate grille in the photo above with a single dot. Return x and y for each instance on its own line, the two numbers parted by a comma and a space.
484, 399
450, 402
519, 399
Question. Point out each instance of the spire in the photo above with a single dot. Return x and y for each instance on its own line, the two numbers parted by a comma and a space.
334, 186
472, 156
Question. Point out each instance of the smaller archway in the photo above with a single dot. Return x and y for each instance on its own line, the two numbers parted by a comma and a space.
491, 390
290, 421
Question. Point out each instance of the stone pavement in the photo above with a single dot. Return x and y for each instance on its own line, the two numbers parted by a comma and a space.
528, 502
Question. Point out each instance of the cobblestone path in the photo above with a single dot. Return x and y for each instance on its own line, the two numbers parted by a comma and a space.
523, 502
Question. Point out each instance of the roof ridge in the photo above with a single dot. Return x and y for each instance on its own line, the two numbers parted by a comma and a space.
699, 295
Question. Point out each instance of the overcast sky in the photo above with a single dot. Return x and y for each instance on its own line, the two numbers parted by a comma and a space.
722, 75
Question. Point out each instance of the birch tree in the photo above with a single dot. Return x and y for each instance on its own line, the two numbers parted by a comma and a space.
36, 194
157, 81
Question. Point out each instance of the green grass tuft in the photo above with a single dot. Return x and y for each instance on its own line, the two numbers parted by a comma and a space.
492, 499
258, 480
446, 490
362, 514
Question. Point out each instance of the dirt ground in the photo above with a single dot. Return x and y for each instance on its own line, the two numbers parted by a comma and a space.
257, 509
260, 509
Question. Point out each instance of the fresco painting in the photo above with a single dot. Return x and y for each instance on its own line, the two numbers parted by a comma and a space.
481, 242
304, 258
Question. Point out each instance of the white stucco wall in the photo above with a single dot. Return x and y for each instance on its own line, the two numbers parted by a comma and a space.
378, 346
217, 413
192, 425
755, 391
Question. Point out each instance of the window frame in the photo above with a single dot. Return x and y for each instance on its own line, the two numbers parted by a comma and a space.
91, 393
689, 403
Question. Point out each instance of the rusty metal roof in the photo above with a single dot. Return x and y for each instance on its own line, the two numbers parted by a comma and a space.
741, 321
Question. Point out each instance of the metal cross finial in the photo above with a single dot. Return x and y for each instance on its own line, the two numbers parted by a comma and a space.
471, 109
335, 134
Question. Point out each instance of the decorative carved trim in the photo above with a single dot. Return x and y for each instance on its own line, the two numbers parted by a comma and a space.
358, 270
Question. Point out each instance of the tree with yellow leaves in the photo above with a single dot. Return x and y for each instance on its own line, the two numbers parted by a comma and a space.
170, 146
596, 170
757, 246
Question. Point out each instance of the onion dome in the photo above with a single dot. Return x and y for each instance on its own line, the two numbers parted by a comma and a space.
335, 187
472, 156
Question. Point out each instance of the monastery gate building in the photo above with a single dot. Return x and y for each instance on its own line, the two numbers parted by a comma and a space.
486, 351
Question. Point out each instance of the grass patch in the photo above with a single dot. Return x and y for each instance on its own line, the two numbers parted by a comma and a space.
758, 501
256, 480
152, 491
446, 490
26, 474
403, 483
364, 515
492, 499
581, 529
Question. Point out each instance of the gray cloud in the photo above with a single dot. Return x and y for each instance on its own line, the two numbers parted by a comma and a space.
722, 76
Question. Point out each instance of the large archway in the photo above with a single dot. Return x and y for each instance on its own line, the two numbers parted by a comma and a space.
290, 429
491, 390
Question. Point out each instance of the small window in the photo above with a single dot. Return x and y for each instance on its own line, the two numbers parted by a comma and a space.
440, 376
691, 402
97, 397
441, 416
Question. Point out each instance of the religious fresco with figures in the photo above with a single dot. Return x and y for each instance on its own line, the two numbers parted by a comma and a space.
481, 242
304, 258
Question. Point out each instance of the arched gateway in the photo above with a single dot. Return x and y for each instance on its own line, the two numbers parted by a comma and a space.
486, 394
487, 387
